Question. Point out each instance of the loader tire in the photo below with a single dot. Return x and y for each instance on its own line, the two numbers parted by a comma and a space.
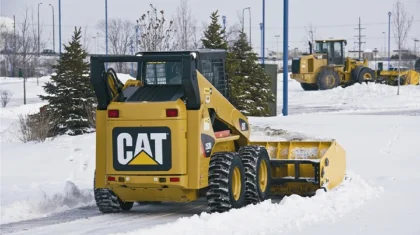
309, 87
355, 74
327, 79
108, 202
366, 75
257, 173
226, 182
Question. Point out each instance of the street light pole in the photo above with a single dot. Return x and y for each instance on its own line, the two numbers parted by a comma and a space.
285, 56
53, 27
384, 43
59, 26
106, 27
250, 44
389, 38
263, 31
38, 29
243, 21
277, 36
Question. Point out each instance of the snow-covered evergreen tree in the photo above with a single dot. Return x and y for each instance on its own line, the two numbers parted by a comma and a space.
69, 93
214, 36
249, 85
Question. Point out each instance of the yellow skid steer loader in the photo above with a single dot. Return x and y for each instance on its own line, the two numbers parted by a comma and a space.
171, 135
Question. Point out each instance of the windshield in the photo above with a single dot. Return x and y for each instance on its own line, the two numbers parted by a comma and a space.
321, 47
161, 73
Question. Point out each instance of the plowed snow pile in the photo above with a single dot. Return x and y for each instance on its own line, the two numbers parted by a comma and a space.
291, 213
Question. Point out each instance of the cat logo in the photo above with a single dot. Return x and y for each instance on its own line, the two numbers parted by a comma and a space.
140, 148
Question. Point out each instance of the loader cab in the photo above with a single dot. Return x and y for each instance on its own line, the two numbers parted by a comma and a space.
332, 50
165, 76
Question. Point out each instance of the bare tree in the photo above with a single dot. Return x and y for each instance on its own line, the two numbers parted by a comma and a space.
185, 27
232, 31
26, 48
86, 39
310, 33
156, 33
5, 96
402, 22
120, 36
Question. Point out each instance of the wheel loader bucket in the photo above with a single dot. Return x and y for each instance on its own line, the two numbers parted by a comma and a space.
302, 167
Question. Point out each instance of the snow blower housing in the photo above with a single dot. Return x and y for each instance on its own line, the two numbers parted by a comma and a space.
171, 134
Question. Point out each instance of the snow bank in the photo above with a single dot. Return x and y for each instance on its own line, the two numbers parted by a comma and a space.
72, 197
358, 98
293, 212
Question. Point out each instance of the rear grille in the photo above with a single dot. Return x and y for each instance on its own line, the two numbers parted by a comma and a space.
295, 66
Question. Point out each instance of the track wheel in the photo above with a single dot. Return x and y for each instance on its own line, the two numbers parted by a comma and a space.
257, 173
108, 202
328, 79
226, 182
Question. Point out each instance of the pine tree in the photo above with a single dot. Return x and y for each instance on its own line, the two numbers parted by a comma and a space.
249, 85
69, 93
214, 36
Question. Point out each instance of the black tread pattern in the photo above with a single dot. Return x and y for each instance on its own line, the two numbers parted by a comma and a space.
107, 201
309, 87
321, 82
250, 155
218, 194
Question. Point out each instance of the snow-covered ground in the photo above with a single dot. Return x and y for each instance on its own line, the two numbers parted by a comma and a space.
41, 182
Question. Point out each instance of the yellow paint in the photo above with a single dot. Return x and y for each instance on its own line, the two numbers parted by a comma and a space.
236, 183
311, 150
143, 159
262, 176
189, 163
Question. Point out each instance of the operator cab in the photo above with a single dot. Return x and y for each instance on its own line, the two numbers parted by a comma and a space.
332, 50
165, 75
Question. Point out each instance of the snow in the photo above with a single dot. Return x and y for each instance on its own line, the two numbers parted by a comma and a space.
377, 128
293, 212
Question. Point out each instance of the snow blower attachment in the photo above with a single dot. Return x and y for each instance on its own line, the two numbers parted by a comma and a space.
171, 134
407, 77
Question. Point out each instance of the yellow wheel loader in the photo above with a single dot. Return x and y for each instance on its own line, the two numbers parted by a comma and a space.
171, 135
326, 67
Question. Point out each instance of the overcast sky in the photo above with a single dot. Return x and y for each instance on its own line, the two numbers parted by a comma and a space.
328, 16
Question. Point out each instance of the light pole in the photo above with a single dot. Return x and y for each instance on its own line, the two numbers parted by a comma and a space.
243, 21
384, 43
277, 36
389, 38
374, 54
285, 56
262, 48
250, 44
53, 27
415, 46
59, 26
243, 18
106, 27
224, 21
38, 29
263, 31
